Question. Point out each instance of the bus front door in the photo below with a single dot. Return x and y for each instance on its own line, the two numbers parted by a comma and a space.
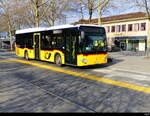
36, 39
70, 54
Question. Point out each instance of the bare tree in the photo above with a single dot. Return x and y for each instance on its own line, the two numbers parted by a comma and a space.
101, 5
45, 12
10, 11
91, 8
93, 5
79, 8
81, 4
56, 11
86, 6
38, 7
51, 13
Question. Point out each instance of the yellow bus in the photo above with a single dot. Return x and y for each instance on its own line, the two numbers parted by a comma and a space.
77, 45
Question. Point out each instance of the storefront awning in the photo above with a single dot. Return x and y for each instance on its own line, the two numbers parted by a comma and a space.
132, 38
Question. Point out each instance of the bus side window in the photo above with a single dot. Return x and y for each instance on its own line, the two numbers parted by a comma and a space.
22, 41
29, 42
18, 40
45, 42
60, 42
42, 42
48, 42
54, 42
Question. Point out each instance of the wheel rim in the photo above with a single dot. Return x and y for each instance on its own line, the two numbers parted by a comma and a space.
58, 60
26, 56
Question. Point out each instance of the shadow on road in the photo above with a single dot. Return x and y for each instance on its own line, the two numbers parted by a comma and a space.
1, 50
115, 61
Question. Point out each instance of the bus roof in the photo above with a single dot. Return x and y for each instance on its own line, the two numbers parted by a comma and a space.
30, 30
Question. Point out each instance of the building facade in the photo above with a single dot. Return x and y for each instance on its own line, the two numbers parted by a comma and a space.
128, 32
5, 41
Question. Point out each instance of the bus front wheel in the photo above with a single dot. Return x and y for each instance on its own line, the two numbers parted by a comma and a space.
58, 60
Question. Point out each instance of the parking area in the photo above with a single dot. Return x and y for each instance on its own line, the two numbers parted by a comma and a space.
36, 86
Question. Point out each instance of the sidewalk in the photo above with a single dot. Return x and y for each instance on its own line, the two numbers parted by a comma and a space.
6, 50
132, 63
127, 53
3, 50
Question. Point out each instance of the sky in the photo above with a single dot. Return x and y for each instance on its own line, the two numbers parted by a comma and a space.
125, 8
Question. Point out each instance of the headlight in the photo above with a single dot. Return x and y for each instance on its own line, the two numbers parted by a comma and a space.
84, 61
106, 58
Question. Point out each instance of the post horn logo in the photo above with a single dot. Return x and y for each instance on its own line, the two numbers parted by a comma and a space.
47, 55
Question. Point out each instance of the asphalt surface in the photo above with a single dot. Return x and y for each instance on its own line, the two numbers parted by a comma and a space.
27, 88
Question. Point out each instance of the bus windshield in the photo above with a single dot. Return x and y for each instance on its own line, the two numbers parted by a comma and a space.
94, 43
94, 40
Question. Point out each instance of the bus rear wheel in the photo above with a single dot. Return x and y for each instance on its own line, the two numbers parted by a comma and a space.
58, 60
26, 55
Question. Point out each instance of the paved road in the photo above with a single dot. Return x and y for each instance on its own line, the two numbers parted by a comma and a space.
7, 55
28, 88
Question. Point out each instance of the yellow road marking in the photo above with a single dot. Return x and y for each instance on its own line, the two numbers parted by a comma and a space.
99, 79
3, 61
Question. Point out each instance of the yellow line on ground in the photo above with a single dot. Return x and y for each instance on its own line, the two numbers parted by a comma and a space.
99, 79
3, 61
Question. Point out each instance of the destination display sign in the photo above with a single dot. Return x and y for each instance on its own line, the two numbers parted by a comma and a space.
57, 31
93, 30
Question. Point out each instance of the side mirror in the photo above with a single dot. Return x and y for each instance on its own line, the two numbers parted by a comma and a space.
63, 48
82, 34
80, 39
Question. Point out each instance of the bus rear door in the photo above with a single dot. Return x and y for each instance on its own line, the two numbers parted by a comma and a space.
36, 39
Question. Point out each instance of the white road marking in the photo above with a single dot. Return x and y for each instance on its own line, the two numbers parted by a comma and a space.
115, 72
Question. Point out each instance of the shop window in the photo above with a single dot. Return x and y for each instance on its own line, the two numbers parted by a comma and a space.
113, 29
133, 45
123, 28
143, 26
136, 27
118, 28
107, 29
130, 27
117, 43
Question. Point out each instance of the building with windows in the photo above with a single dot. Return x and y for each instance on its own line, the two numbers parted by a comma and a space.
129, 32
5, 41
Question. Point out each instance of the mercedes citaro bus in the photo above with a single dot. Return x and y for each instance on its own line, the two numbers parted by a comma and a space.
77, 45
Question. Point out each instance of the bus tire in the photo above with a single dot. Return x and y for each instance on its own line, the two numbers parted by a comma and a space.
58, 60
26, 56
